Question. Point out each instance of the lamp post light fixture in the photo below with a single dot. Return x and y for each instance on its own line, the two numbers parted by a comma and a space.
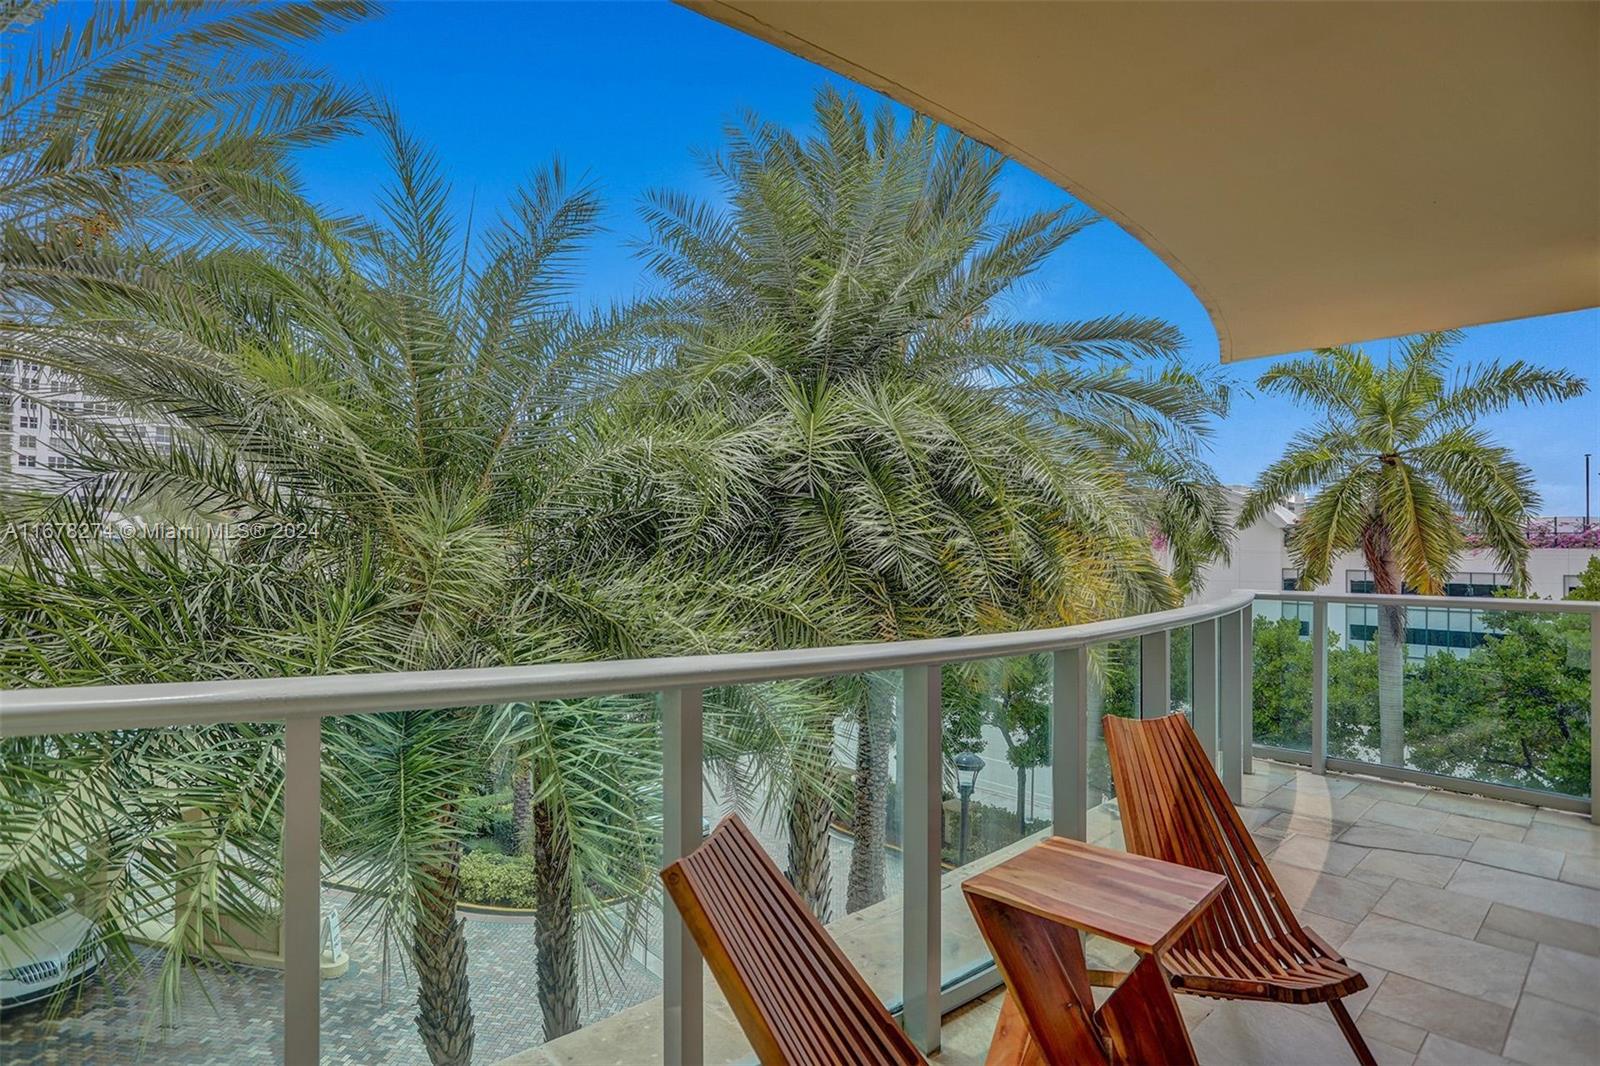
968, 765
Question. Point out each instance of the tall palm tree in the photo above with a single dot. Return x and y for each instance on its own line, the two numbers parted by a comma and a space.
1397, 456
394, 405
842, 392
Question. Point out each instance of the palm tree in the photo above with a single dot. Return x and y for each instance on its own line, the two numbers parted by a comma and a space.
843, 395
161, 118
1396, 458
394, 405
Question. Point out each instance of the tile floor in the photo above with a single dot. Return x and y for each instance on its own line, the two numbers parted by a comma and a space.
1476, 922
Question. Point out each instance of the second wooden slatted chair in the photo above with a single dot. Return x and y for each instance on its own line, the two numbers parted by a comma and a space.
1249, 944
795, 994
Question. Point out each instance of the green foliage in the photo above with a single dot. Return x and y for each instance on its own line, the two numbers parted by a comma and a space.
1588, 586
1514, 710
499, 880
489, 816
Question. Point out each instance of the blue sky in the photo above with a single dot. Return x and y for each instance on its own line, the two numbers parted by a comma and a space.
627, 92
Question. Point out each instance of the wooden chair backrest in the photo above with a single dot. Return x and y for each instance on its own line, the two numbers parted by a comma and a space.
1174, 807
797, 996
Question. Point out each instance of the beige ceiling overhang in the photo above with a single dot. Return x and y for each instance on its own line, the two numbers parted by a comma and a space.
1318, 172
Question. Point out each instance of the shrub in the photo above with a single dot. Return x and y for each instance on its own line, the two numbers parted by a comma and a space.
497, 880
490, 816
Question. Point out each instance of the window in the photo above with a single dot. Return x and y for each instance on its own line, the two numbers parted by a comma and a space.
27, 460
60, 462
1568, 583
1291, 579
1358, 580
28, 422
1476, 583
27, 440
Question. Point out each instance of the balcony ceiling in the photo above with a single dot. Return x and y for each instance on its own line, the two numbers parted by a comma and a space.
1319, 173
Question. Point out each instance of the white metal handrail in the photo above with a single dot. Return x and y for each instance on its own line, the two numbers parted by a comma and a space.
90, 708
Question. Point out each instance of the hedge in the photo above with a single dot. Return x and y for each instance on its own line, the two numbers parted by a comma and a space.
497, 880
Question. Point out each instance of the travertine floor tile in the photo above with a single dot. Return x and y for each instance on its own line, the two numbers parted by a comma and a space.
1315, 805
1375, 1026
1539, 894
1570, 839
1478, 807
1495, 938
1289, 822
1465, 1019
1452, 962
1566, 977
1581, 870
1435, 870
1271, 1033
1405, 816
1409, 841
1407, 795
1511, 855
1468, 828
1441, 1051
1312, 785
1436, 908
1546, 1033
1542, 928
1320, 893
1319, 853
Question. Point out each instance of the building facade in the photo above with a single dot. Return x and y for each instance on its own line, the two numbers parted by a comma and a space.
1261, 561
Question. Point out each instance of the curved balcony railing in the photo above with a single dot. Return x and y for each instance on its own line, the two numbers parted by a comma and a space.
1200, 659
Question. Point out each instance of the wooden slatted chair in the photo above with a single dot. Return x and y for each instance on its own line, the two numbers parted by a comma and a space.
795, 994
1249, 944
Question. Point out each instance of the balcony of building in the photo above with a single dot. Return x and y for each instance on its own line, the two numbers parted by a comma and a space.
1461, 883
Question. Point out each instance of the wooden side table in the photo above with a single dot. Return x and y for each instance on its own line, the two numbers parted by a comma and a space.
1033, 910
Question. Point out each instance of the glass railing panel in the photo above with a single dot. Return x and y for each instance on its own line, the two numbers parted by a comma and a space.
813, 768
1281, 691
1181, 666
1113, 690
489, 865
996, 794
1491, 696
139, 905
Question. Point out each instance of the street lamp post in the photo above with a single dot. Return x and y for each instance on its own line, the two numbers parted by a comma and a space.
968, 765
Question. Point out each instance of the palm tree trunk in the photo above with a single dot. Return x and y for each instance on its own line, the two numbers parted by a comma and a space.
874, 738
439, 953
522, 806
1391, 685
555, 929
810, 864
1386, 579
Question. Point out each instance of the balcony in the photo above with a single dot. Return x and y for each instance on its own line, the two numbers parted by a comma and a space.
1463, 883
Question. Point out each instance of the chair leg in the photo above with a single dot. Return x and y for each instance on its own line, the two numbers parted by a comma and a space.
1347, 1025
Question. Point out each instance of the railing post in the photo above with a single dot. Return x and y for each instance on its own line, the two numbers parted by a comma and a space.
682, 742
921, 775
1069, 742
1203, 654
302, 890
1319, 687
1594, 717
1155, 674
1230, 700
1247, 692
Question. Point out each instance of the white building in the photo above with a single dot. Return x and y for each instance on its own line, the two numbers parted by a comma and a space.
1261, 561
38, 409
